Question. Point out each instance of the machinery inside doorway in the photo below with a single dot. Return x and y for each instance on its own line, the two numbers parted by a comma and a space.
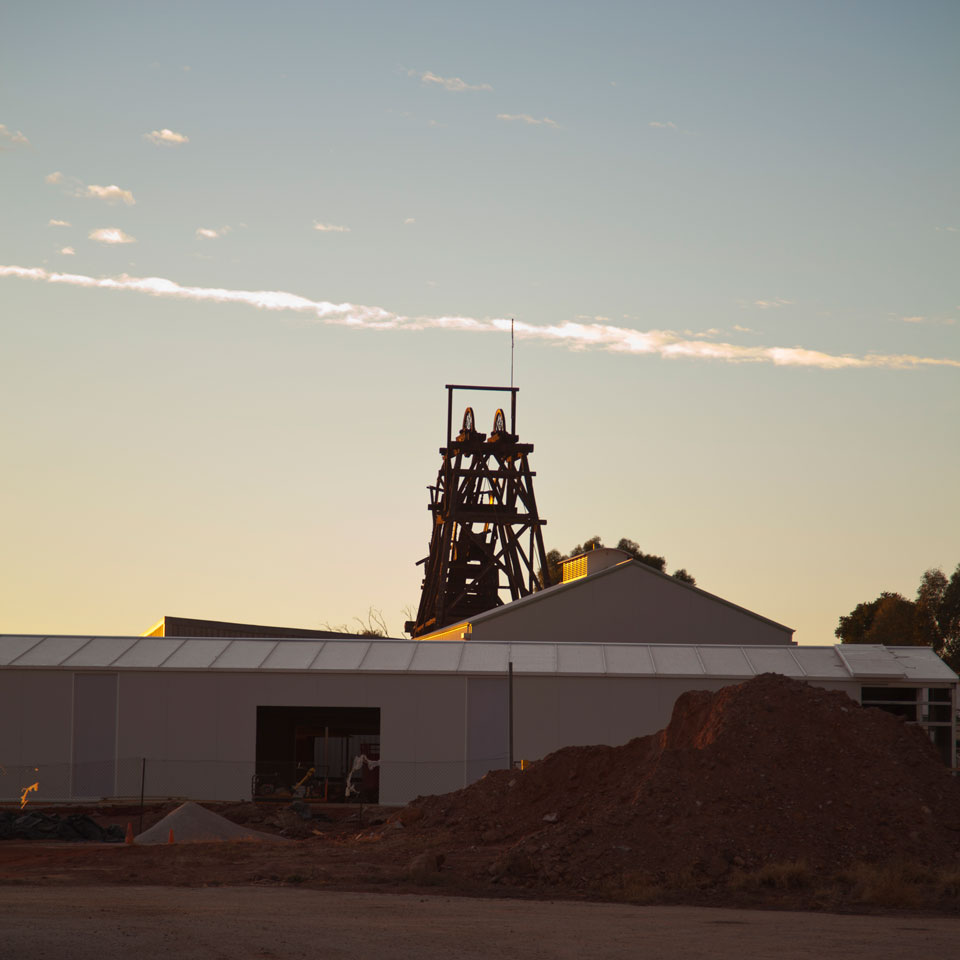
314, 753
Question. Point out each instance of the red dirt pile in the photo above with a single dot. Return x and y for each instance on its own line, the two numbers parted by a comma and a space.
768, 771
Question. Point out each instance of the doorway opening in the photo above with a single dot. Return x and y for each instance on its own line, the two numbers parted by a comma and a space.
328, 754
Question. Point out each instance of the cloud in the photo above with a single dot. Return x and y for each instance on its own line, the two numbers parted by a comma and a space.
111, 235
329, 227
453, 84
526, 118
112, 194
741, 329
166, 138
10, 139
55, 177
663, 124
947, 229
212, 234
573, 335
58, 223
776, 302
410, 220
937, 321
68, 251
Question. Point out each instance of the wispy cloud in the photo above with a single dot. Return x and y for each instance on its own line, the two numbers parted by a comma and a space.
58, 223
329, 227
68, 251
166, 138
209, 233
12, 138
453, 84
112, 194
769, 304
111, 235
55, 177
526, 118
935, 321
663, 124
573, 335
946, 229
410, 220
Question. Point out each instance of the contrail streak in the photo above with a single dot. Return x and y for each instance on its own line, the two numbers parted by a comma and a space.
574, 335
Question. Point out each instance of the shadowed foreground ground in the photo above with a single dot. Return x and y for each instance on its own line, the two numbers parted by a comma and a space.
240, 923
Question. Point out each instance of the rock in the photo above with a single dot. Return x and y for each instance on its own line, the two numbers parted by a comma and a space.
513, 863
302, 810
425, 866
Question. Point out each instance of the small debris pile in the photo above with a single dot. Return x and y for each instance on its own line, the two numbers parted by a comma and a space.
35, 825
771, 770
192, 823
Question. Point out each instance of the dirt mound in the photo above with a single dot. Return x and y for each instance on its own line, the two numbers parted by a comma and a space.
192, 823
770, 770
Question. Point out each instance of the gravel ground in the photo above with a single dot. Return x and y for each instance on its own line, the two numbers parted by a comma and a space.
101, 923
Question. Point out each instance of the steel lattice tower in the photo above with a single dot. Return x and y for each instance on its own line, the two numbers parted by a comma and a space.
486, 538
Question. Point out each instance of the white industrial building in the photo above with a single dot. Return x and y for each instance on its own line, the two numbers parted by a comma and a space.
85, 717
599, 658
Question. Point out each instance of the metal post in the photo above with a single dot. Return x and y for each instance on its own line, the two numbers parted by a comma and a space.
143, 773
510, 711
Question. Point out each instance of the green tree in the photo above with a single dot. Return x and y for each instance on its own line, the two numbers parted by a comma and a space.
555, 558
932, 620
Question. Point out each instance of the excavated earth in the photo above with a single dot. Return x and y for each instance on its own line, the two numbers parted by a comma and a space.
769, 792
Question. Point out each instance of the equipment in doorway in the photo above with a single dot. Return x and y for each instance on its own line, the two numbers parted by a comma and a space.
486, 534
308, 753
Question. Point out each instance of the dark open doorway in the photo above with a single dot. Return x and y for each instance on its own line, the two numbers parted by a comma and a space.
313, 753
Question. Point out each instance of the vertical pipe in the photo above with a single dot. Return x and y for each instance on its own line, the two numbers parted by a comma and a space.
449, 413
510, 712
513, 410
143, 777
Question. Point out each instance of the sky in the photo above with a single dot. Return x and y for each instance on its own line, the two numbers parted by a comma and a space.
243, 247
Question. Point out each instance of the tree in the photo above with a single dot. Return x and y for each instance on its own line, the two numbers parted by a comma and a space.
932, 620
555, 558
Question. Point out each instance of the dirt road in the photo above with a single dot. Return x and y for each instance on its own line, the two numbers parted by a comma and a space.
243, 923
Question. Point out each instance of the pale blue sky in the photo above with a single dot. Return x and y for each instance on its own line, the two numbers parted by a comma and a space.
748, 212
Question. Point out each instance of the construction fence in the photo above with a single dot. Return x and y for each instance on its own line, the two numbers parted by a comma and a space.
132, 778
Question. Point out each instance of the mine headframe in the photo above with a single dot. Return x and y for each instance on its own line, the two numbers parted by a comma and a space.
486, 545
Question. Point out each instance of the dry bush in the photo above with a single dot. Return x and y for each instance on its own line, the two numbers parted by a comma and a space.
948, 882
783, 875
636, 887
886, 884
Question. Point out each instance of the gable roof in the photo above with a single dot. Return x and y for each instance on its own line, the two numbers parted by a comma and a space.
626, 568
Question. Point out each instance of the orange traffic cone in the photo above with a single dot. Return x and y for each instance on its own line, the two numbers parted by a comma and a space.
129, 836
170, 837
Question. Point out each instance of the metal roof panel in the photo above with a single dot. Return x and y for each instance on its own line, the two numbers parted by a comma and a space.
341, 655
100, 652
437, 656
482, 657
292, 656
389, 657
676, 660
580, 658
148, 652
13, 647
244, 655
51, 651
196, 654
720, 661
629, 658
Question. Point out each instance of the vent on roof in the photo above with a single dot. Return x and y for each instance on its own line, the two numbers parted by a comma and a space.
592, 562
